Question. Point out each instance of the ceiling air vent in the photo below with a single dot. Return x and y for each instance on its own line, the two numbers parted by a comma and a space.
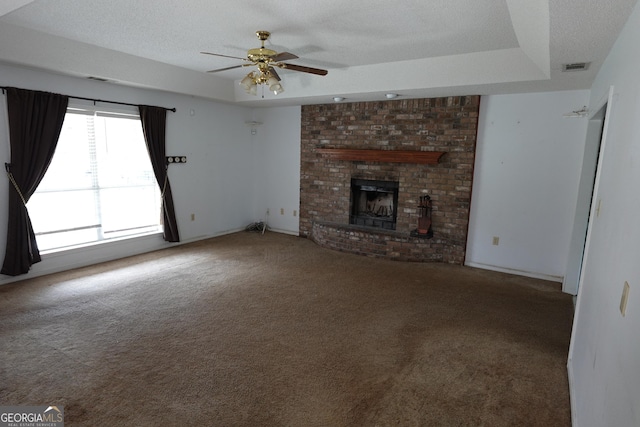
576, 66
98, 79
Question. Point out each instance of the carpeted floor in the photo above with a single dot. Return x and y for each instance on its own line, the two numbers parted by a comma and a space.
272, 330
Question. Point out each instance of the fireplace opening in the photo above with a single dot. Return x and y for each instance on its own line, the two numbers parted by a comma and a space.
374, 203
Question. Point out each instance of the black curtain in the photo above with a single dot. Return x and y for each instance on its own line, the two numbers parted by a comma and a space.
35, 122
154, 121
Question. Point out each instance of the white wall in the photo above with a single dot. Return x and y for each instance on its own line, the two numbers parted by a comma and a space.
216, 184
604, 359
277, 168
528, 162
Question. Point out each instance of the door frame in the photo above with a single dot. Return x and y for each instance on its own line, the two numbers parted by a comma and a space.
587, 194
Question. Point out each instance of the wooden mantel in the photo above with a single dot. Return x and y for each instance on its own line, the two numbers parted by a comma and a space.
389, 156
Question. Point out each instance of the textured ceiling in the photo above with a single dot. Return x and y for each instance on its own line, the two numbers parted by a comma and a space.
413, 47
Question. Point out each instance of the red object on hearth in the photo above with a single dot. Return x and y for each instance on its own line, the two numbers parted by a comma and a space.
423, 225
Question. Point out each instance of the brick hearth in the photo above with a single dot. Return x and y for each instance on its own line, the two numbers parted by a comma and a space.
440, 124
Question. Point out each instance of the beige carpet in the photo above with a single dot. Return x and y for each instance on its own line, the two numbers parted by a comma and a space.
272, 330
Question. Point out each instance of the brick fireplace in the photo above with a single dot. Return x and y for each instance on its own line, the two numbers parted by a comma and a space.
426, 146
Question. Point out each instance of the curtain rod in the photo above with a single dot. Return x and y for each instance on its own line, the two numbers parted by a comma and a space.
94, 100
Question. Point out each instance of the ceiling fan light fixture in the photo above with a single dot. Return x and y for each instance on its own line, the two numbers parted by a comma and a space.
276, 88
248, 81
274, 84
251, 81
271, 80
253, 89
391, 95
338, 99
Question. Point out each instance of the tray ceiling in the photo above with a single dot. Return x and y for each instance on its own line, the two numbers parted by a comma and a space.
413, 48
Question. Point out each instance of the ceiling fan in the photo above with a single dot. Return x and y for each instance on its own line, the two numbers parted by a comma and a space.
266, 60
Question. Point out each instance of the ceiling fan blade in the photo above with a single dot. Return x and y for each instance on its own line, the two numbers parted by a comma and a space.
284, 56
225, 69
274, 73
224, 56
311, 70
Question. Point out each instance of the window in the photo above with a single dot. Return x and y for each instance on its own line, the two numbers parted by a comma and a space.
100, 184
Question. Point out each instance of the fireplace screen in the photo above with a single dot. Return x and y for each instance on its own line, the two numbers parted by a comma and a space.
374, 203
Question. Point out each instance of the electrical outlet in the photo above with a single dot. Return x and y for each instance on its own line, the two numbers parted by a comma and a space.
624, 298
267, 211
193, 217
496, 241
281, 211
295, 212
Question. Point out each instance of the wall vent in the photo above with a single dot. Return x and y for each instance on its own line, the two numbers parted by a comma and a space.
576, 66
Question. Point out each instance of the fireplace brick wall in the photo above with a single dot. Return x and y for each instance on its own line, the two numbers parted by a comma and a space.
436, 124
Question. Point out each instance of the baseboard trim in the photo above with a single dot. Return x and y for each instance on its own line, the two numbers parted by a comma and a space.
208, 236
281, 231
515, 271
572, 402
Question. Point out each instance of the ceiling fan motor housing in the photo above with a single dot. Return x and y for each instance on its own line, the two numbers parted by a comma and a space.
261, 54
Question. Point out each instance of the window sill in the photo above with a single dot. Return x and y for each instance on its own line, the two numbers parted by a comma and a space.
51, 253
